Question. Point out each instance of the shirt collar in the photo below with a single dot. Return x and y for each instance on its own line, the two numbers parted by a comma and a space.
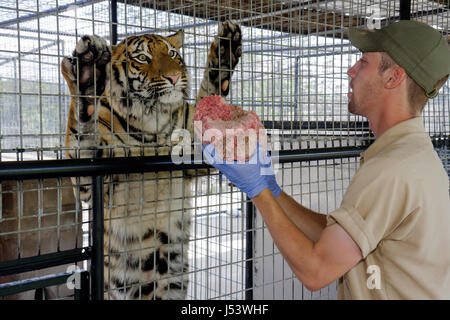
401, 129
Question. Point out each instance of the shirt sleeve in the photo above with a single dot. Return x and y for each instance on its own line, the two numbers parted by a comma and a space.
375, 203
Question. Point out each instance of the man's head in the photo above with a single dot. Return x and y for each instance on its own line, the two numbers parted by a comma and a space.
366, 85
421, 51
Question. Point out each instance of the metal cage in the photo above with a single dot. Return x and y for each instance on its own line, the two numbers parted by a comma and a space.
292, 73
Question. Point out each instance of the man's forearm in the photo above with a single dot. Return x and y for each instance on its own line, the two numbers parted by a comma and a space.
309, 222
316, 264
294, 245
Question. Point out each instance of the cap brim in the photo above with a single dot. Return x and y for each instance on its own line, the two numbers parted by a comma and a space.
365, 40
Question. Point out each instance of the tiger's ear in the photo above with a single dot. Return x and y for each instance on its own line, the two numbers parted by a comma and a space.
177, 39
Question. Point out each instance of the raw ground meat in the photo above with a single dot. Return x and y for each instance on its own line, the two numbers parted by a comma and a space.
238, 128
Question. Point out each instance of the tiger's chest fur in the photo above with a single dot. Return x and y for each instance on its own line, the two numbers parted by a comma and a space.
147, 219
147, 216
142, 132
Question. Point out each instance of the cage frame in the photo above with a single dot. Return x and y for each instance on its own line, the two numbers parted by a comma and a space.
98, 168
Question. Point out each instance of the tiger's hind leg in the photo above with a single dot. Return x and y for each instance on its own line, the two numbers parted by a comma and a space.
148, 273
223, 57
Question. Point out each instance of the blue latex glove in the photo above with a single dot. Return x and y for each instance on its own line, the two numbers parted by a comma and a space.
252, 176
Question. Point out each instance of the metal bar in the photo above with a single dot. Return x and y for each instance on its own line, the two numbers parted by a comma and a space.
38, 169
113, 22
43, 261
39, 294
34, 283
34, 52
425, 13
296, 88
299, 5
97, 276
405, 9
250, 219
82, 293
312, 155
44, 13
316, 125
88, 167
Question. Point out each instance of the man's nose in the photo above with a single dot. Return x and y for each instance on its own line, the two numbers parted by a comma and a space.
352, 71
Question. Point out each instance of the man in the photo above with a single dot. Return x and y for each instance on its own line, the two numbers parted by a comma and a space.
390, 239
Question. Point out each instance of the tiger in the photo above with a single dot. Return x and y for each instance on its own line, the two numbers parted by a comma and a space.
126, 101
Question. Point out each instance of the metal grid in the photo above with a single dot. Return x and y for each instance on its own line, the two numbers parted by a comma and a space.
292, 73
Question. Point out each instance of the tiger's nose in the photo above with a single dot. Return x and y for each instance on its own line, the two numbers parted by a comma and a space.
173, 78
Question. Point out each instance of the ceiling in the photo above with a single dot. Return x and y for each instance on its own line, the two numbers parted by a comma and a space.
322, 17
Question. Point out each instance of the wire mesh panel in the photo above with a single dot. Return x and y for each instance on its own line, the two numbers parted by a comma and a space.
182, 233
39, 218
437, 111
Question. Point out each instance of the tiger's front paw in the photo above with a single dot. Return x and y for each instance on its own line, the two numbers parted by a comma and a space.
87, 66
86, 73
224, 55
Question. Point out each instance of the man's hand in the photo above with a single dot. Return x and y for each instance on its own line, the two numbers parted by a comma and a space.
252, 176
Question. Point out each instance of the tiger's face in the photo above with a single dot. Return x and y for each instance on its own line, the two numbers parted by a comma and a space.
149, 68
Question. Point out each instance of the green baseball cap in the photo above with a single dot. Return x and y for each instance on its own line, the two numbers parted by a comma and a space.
415, 46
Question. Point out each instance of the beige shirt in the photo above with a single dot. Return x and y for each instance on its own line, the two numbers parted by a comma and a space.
397, 210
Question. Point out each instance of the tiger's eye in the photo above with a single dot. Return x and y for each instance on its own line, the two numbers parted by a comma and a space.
172, 54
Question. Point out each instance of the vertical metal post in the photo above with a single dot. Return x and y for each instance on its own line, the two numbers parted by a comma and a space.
113, 22
39, 294
250, 218
97, 276
405, 9
82, 293
296, 88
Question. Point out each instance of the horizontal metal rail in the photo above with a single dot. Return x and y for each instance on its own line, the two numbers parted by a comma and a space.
43, 169
34, 15
44, 261
81, 288
317, 125
96, 168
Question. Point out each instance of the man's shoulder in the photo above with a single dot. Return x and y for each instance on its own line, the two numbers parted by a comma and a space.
409, 158
413, 149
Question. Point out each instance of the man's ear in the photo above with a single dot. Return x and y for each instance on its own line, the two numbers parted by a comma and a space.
394, 77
